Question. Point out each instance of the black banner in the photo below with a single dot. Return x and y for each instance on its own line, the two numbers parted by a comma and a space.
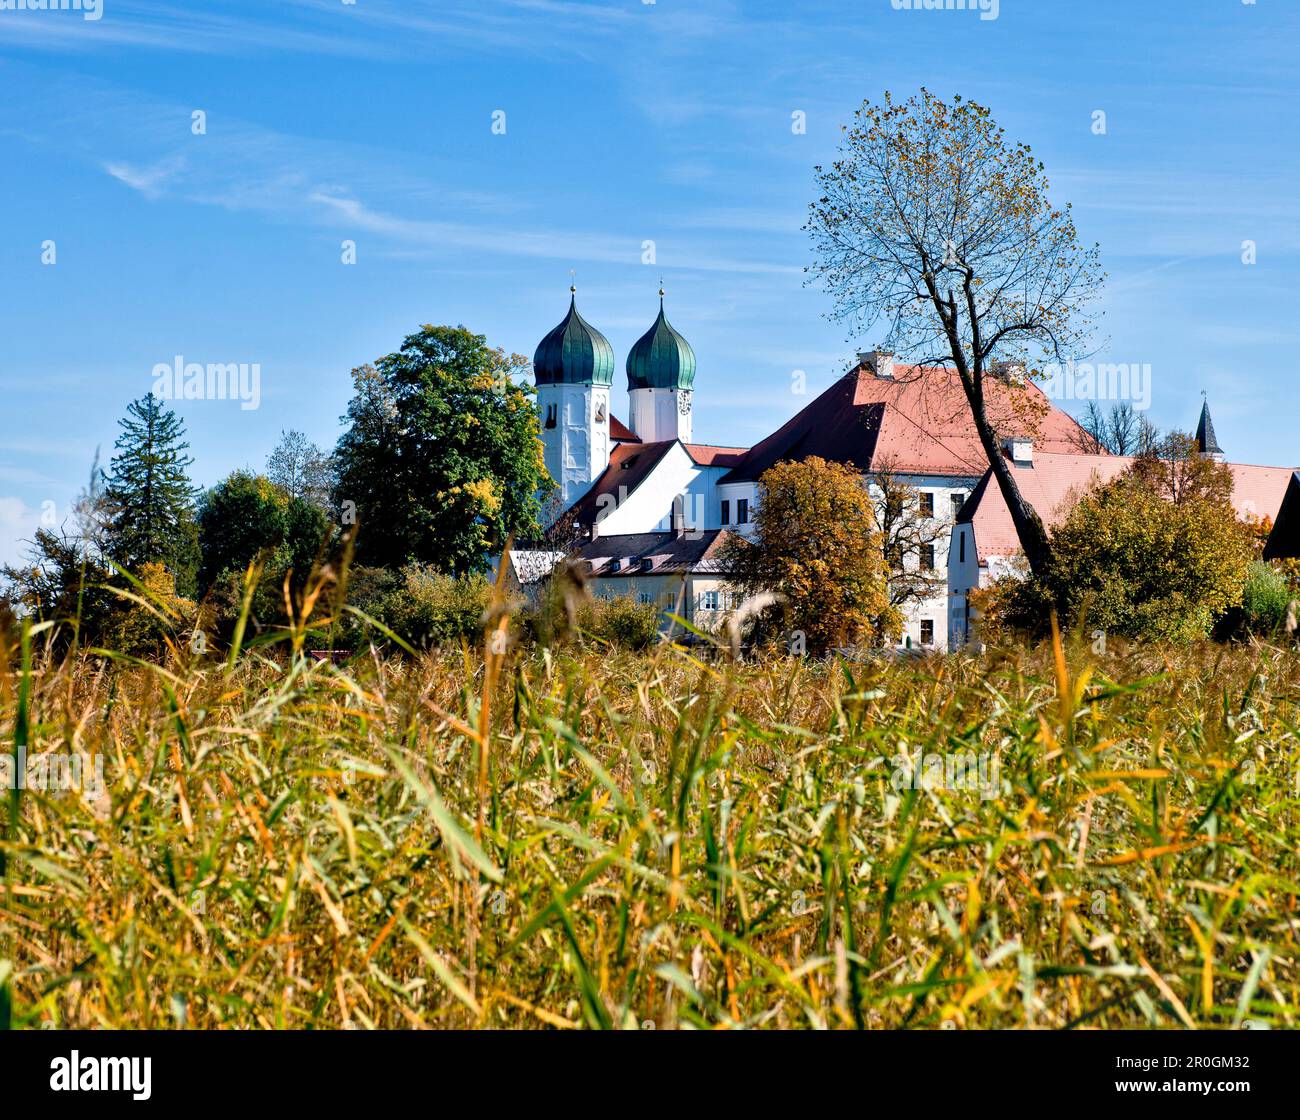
338, 1068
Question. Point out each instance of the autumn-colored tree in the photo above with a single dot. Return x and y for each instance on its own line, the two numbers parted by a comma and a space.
931, 222
816, 545
1176, 470
1157, 552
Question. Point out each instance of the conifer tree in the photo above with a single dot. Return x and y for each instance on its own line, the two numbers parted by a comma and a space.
149, 496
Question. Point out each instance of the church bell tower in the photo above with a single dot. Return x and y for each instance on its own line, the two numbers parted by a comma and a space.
574, 370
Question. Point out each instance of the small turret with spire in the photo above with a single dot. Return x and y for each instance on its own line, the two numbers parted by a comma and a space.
1206, 443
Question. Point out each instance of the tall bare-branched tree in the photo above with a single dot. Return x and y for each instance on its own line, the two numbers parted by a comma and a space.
1120, 430
933, 224
908, 538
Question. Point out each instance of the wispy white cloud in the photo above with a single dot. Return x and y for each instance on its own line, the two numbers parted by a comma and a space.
149, 180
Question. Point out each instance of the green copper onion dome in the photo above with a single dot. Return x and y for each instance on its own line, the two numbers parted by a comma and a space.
662, 358
574, 353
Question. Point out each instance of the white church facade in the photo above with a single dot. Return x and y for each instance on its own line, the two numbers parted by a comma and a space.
648, 508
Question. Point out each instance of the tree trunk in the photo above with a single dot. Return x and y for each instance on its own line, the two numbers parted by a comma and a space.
1029, 526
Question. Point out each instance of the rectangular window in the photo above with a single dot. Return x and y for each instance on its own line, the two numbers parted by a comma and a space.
895, 556
742, 511
958, 500
551, 411
645, 597
927, 504
927, 632
726, 512
961, 547
927, 557
709, 601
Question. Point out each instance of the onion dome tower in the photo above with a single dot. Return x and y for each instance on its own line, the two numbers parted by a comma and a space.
660, 382
574, 369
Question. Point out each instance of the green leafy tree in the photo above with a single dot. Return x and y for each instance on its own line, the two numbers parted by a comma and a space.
816, 545
442, 459
246, 517
148, 497
934, 227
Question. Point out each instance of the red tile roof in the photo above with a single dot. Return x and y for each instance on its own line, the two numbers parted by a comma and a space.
918, 421
620, 432
1054, 482
1259, 491
1050, 486
707, 455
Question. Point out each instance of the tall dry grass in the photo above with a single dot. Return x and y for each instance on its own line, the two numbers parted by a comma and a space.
584, 837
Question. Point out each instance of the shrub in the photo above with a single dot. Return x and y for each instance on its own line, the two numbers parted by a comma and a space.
423, 607
621, 620
1265, 599
1156, 554
144, 630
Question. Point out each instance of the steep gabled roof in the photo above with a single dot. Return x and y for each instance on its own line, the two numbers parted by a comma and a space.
1259, 491
918, 421
1050, 486
629, 465
1284, 540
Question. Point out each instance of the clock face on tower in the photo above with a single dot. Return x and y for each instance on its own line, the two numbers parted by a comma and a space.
684, 401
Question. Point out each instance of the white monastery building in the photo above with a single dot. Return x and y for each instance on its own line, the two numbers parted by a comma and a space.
650, 508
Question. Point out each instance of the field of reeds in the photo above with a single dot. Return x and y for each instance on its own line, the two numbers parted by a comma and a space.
586, 837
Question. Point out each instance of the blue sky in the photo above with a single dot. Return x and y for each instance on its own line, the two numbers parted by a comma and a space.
626, 122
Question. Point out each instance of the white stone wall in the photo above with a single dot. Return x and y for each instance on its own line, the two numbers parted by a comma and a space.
733, 493
659, 414
948, 493
963, 578
576, 450
648, 508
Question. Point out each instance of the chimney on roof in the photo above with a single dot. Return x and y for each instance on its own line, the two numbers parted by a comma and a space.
1019, 450
879, 362
1012, 372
